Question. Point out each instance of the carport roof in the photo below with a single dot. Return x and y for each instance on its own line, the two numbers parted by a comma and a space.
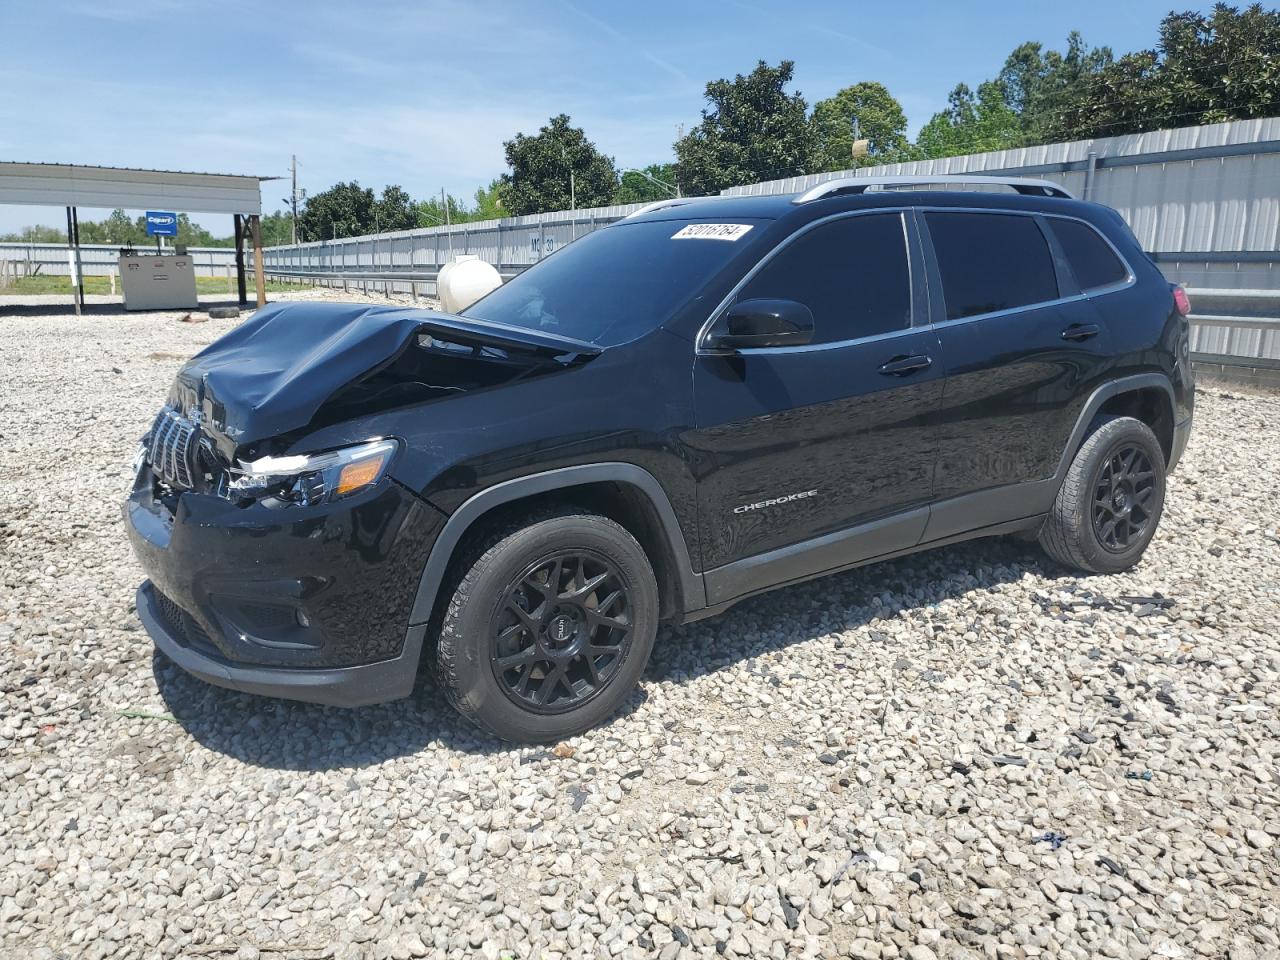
74, 185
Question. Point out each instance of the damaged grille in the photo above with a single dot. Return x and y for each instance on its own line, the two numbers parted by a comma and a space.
171, 450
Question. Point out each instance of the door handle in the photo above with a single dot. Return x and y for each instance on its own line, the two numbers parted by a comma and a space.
1081, 331
901, 366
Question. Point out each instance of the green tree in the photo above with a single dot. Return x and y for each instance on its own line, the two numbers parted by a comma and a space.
970, 124
35, 234
191, 234
1205, 69
489, 202
430, 213
636, 188
1037, 84
394, 210
277, 230
753, 130
344, 210
880, 120
120, 228
539, 180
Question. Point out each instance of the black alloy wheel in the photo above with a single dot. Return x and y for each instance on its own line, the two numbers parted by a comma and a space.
561, 632
1123, 496
1111, 500
549, 624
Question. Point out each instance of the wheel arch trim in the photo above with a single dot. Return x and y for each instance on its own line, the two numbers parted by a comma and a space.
1104, 392
461, 520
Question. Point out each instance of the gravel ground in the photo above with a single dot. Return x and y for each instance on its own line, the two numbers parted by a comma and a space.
969, 753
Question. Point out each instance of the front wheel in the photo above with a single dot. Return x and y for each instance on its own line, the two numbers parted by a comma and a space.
549, 627
1111, 500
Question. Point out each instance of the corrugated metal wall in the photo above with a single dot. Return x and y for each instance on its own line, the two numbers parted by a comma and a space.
1204, 200
100, 260
512, 242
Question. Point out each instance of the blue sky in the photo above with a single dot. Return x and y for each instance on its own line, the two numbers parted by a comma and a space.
423, 94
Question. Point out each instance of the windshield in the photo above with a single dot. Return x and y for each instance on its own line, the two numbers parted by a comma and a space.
615, 284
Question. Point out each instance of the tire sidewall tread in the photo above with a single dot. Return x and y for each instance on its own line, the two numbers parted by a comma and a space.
1068, 535
462, 652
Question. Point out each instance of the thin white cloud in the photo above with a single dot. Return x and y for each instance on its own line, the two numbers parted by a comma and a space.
629, 42
126, 11
800, 21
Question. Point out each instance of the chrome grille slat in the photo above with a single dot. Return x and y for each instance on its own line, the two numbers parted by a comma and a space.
173, 439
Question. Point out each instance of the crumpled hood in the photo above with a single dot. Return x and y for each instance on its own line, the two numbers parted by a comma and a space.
272, 373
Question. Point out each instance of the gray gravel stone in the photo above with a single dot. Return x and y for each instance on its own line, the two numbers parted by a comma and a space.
859, 766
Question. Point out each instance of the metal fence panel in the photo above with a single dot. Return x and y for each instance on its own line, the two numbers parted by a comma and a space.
1204, 201
50, 259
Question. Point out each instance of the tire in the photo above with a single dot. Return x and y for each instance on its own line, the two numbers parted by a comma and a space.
534, 669
1120, 456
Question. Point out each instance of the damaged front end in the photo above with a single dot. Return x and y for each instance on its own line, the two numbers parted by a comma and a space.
276, 565
237, 408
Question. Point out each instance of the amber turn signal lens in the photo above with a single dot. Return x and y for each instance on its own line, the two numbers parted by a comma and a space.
357, 475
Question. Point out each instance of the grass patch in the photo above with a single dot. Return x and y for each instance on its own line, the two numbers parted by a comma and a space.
102, 285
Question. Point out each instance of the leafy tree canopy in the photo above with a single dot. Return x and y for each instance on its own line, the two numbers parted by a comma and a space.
879, 118
752, 130
539, 178
431, 213
119, 229
489, 202
344, 210
1038, 83
634, 187
394, 210
35, 234
1205, 69
277, 229
971, 124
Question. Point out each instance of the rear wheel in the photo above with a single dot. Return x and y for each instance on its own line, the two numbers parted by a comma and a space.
1111, 501
549, 627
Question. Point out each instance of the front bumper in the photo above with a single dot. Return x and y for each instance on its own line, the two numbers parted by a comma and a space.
338, 687
308, 603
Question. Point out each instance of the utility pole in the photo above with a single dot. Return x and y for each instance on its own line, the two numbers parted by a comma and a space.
293, 195
573, 188
444, 202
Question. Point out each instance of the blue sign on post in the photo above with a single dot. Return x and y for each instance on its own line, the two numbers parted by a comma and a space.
161, 224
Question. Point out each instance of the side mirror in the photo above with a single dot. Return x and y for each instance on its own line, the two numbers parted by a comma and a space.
761, 323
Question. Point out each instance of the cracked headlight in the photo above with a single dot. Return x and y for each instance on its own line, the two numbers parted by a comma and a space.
312, 478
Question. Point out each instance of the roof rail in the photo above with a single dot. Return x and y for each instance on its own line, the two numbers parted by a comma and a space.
672, 202
855, 185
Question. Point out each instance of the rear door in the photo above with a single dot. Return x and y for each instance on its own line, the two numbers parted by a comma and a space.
800, 442
1023, 349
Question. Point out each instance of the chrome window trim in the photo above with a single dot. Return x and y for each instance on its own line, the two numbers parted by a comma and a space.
1129, 280
901, 212
814, 347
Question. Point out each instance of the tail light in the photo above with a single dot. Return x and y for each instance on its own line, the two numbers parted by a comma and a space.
1180, 300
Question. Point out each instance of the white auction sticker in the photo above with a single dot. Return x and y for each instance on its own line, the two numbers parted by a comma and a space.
712, 231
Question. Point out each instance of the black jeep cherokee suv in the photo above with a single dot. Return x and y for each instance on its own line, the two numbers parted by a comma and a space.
709, 399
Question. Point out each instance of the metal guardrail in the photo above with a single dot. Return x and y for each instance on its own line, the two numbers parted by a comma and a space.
1216, 338
389, 280
506, 272
1231, 294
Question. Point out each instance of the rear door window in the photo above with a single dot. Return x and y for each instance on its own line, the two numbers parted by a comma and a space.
1092, 260
852, 273
991, 262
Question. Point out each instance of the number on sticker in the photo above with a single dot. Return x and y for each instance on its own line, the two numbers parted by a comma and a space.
712, 231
